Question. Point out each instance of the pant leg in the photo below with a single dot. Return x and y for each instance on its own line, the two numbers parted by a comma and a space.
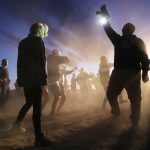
37, 104
25, 108
134, 94
5, 90
45, 97
105, 98
3, 94
62, 98
115, 86
7, 93
55, 89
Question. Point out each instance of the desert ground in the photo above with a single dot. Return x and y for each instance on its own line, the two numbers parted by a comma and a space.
81, 125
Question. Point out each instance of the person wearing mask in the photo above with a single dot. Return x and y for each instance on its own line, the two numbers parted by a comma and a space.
54, 60
31, 75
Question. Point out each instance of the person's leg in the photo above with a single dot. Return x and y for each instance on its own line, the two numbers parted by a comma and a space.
55, 89
62, 99
37, 102
2, 95
40, 139
5, 96
54, 105
7, 93
134, 94
45, 97
105, 98
26, 106
115, 87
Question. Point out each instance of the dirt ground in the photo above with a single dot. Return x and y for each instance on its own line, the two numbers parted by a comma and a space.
82, 125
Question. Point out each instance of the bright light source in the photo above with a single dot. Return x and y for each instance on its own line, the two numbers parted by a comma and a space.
103, 20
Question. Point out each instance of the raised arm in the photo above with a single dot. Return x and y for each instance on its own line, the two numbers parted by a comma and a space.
113, 36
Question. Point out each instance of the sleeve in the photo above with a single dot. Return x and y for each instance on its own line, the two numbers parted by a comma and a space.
42, 58
19, 65
143, 56
112, 35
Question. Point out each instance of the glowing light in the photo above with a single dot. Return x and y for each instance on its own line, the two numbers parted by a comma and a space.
102, 20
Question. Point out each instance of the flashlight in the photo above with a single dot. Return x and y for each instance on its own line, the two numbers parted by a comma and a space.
103, 15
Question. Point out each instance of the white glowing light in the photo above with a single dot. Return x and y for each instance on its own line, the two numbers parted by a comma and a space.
103, 20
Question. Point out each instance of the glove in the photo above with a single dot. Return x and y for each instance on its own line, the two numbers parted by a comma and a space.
104, 11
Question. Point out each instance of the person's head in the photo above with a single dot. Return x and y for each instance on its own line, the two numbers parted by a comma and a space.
128, 29
56, 52
103, 59
4, 62
39, 29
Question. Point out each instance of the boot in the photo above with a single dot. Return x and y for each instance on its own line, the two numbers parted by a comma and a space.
41, 141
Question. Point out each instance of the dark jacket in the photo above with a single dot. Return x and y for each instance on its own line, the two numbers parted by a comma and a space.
130, 53
31, 62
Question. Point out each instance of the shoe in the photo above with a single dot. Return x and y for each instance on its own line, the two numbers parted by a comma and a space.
18, 126
42, 141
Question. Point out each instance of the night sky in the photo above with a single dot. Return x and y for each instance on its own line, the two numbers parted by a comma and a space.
74, 27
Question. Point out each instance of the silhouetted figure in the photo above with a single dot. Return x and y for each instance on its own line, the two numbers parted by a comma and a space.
4, 83
54, 61
31, 75
130, 58
82, 80
63, 86
104, 72
74, 84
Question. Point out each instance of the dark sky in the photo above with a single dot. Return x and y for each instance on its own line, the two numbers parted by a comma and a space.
74, 27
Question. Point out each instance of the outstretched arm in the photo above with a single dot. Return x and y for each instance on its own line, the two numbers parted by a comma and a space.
113, 36
70, 71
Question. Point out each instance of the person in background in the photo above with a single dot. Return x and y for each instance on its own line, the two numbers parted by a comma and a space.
74, 85
63, 86
104, 72
54, 60
82, 80
4, 83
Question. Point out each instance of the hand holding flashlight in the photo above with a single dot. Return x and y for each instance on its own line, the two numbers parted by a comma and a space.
103, 15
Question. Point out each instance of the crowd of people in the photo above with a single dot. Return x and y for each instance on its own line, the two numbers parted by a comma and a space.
37, 81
